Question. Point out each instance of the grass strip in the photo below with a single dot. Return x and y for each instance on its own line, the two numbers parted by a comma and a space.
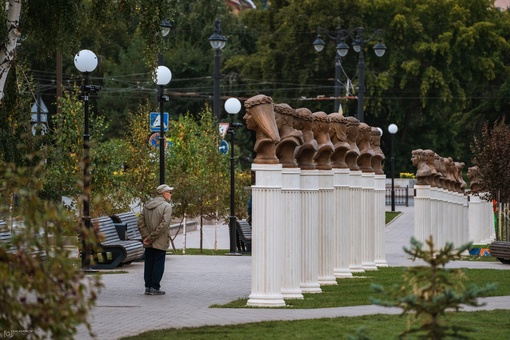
357, 290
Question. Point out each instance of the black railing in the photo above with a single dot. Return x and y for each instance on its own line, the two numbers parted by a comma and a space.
401, 196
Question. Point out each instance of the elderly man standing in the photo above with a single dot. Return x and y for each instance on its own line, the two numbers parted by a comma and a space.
154, 225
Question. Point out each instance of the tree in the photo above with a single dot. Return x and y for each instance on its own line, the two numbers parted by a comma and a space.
65, 24
197, 169
440, 78
431, 290
490, 152
44, 292
141, 168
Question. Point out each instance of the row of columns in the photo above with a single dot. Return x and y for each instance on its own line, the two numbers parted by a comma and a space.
451, 217
317, 202
311, 228
442, 209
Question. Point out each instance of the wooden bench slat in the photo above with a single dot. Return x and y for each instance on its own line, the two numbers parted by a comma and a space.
243, 231
120, 251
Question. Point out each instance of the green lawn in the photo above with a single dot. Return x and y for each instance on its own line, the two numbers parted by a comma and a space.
390, 216
484, 325
357, 291
353, 292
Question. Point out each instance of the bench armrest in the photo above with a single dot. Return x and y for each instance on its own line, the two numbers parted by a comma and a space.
121, 230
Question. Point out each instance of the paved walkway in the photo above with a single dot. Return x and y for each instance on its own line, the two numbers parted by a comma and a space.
193, 283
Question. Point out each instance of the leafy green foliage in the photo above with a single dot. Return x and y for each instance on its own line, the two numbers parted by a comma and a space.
491, 152
141, 168
430, 291
44, 291
198, 171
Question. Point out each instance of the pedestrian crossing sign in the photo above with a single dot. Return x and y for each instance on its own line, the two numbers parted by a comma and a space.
155, 121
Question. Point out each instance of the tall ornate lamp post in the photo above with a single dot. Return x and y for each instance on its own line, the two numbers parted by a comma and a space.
86, 62
319, 44
392, 129
165, 27
162, 77
217, 41
358, 37
232, 106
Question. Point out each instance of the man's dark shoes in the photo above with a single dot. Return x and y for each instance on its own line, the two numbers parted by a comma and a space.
147, 291
154, 291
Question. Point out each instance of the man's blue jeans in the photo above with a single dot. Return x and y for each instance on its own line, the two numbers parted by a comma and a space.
154, 267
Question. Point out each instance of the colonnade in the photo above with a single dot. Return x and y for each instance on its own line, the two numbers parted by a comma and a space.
443, 208
317, 198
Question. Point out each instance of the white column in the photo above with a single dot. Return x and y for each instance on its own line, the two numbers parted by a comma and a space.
434, 212
474, 212
367, 221
291, 233
326, 228
465, 221
342, 230
422, 212
355, 219
487, 222
310, 234
449, 218
460, 220
380, 221
266, 237
442, 208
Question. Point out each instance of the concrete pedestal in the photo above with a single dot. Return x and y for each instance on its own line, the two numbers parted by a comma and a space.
342, 222
355, 221
379, 221
367, 221
291, 233
326, 228
310, 232
422, 228
266, 237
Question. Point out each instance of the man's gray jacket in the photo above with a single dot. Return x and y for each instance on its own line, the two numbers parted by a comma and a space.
154, 223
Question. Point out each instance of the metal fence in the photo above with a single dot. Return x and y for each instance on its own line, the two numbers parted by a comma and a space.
401, 196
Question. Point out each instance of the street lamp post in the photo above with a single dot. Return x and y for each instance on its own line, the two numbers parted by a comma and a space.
165, 27
232, 106
319, 46
217, 41
392, 129
86, 62
358, 37
162, 77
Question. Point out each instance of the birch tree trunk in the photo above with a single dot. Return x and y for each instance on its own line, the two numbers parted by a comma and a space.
7, 50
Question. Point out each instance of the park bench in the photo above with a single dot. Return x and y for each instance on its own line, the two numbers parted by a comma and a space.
115, 249
6, 238
501, 251
243, 231
128, 222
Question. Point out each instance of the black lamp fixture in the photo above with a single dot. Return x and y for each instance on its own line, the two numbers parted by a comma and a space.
86, 62
218, 41
162, 76
165, 28
358, 37
232, 106
392, 129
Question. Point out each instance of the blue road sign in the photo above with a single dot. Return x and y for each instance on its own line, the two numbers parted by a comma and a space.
155, 121
223, 147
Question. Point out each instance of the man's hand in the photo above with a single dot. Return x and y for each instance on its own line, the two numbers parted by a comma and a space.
146, 241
